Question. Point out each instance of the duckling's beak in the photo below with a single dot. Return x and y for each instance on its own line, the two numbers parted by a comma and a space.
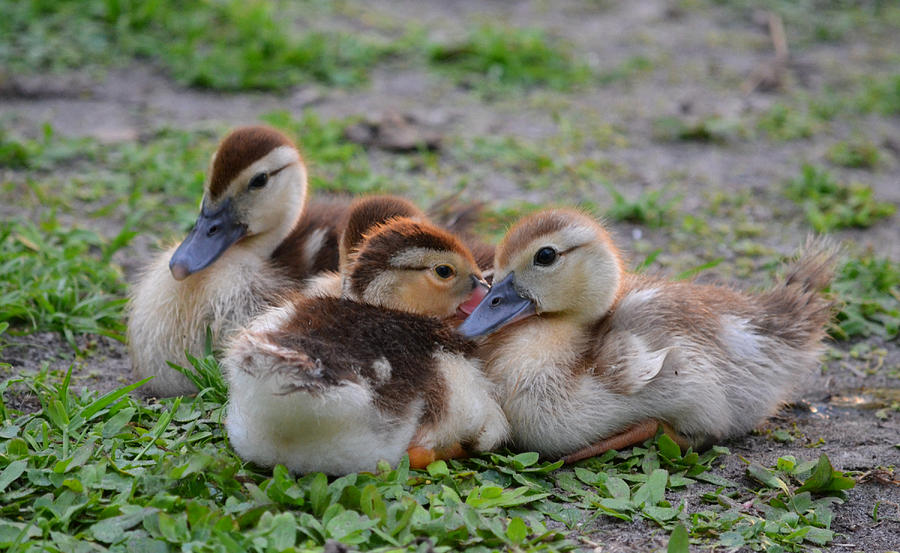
479, 291
212, 234
503, 305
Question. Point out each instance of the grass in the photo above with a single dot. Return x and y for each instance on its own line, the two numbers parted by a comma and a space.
829, 204
224, 45
150, 184
499, 56
858, 153
654, 208
782, 122
881, 95
114, 473
54, 278
869, 290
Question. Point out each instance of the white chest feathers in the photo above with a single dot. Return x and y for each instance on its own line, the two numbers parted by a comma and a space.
168, 317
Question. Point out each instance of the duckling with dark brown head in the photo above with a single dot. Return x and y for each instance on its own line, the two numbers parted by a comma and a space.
254, 239
337, 384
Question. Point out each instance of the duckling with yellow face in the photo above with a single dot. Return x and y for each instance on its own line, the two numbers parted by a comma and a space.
252, 240
337, 384
588, 357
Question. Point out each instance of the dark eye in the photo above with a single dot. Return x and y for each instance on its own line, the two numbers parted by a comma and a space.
259, 180
545, 256
444, 271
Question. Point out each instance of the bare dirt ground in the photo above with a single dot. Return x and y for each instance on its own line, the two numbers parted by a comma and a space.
702, 58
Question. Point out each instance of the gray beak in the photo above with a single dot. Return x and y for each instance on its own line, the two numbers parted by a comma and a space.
501, 306
212, 234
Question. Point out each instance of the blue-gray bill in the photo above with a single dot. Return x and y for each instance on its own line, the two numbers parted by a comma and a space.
501, 306
213, 233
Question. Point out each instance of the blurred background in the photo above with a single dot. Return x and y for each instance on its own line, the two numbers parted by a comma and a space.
727, 127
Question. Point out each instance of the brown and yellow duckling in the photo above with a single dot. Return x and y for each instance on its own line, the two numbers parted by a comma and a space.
588, 357
337, 384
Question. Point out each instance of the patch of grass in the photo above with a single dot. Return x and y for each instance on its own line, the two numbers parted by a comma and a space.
705, 129
782, 122
654, 208
114, 472
789, 515
881, 95
857, 153
496, 55
869, 289
44, 152
60, 279
150, 183
225, 45
831, 205
512, 153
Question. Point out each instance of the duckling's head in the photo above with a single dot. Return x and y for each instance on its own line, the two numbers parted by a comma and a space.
413, 266
557, 262
369, 212
255, 193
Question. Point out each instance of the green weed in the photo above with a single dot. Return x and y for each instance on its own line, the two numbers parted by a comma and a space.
881, 95
226, 45
831, 205
60, 279
869, 291
789, 515
205, 372
44, 152
503, 56
785, 123
653, 208
858, 153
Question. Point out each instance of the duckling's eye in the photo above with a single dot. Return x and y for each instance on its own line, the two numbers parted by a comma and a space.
259, 180
545, 256
444, 271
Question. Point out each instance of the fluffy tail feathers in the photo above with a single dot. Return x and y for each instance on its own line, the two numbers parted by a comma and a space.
797, 309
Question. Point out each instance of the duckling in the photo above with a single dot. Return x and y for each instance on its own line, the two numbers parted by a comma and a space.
588, 357
337, 384
368, 212
252, 240
365, 214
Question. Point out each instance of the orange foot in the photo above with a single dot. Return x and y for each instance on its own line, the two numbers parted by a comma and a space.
421, 457
632, 436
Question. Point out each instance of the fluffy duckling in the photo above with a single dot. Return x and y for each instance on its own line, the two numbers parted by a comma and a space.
587, 357
337, 384
252, 240
368, 212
